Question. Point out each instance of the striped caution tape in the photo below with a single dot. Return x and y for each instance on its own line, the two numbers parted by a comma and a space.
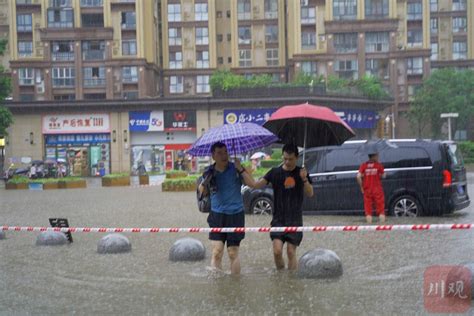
421, 227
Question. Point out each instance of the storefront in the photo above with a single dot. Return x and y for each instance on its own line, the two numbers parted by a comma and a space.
159, 140
81, 141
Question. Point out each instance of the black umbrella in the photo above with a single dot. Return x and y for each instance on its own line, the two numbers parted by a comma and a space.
375, 146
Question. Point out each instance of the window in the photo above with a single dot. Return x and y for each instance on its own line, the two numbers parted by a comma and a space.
308, 39
229, 37
130, 74
202, 59
62, 50
94, 76
129, 47
346, 69
174, 12
25, 48
459, 24
345, 9
434, 51
415, 11
64, 97
220, 60
176, 60
459, 50
272, 57
202, 36
243, 10
92, 20
377, 68
309, 68
308, 14
91, 3
60, 3
176, 84
413, 90
64, 77
26, 76
202, 85
345, 42
376, 9
433, 5
129, 21
200, 12
459, 5
61, 18
415, 38
24, 23
245, 35
27, 97
271, 33
377, 42
220, 37
434, 25
93, 50
95, 96
271, 9
245, 58
415, 66
130, 95
174, 36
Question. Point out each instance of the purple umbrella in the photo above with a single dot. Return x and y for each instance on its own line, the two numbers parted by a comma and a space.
239, 138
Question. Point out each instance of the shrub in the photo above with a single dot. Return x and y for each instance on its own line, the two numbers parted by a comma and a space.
180, 184
117, 175
19, 179
270, 163
174, 174
467, 151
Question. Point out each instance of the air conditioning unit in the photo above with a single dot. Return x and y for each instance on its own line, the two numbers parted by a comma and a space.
40, 89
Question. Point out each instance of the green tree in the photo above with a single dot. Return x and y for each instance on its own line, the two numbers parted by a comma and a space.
446, 90
6, 117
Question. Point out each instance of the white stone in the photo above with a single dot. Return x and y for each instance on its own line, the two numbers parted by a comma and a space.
114, 243
51, 239
320, 264
187, 249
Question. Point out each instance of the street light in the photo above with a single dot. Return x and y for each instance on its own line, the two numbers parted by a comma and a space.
449, 116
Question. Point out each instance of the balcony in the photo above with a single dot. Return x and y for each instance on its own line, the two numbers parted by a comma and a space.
93, 55
62, 56
129, 26
63, 82
61, 24
92, 3
28, 2
92, 20
130, 79
94, 82
60, 3
24, 28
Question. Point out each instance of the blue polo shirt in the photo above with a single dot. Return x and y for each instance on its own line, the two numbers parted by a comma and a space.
227, 199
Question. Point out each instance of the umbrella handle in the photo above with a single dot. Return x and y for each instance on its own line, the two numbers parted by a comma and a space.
304, 141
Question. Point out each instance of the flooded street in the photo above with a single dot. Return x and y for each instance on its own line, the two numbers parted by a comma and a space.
383, 271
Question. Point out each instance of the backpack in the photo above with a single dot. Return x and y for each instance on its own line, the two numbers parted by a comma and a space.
204, 200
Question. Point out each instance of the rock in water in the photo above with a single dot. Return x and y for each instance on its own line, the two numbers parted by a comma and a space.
114, 243
51, 239
187, 249
320, 264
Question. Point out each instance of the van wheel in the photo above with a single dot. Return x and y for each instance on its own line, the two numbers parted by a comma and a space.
261, 205
405, 206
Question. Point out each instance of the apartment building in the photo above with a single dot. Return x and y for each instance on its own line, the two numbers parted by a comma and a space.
84, 49
4, 31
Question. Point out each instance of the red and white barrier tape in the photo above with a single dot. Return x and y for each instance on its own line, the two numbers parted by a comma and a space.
422, 227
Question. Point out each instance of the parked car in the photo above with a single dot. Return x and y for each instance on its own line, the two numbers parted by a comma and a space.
423, 177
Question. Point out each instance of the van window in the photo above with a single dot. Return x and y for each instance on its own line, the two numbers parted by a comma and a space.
455, 156
312, 161
407, 157
342, 160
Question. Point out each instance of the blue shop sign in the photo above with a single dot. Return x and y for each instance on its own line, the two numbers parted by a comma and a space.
77, 139
146, 121
359, 118
257, 116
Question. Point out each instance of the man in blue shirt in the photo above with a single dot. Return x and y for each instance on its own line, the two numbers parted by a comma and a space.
227, 209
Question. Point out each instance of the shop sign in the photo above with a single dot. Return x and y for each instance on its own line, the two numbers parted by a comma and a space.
180, 121
257, 116
76, 123
146, 121
359, 118
77, 139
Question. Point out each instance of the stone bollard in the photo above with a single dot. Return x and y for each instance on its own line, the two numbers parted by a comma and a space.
51, 239
319, 264
187, 249
114, 243
2, 235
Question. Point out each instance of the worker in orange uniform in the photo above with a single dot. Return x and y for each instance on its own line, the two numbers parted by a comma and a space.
369, 176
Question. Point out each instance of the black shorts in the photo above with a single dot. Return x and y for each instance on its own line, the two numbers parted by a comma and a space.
223, 220
292, 238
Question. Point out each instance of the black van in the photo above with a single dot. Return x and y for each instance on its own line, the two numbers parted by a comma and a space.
423, 177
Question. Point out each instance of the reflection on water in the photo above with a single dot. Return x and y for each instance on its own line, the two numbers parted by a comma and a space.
383, 271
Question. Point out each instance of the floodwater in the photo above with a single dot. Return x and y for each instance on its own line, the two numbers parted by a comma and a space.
383, 271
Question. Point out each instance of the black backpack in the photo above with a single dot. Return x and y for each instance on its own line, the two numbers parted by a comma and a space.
204, 200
